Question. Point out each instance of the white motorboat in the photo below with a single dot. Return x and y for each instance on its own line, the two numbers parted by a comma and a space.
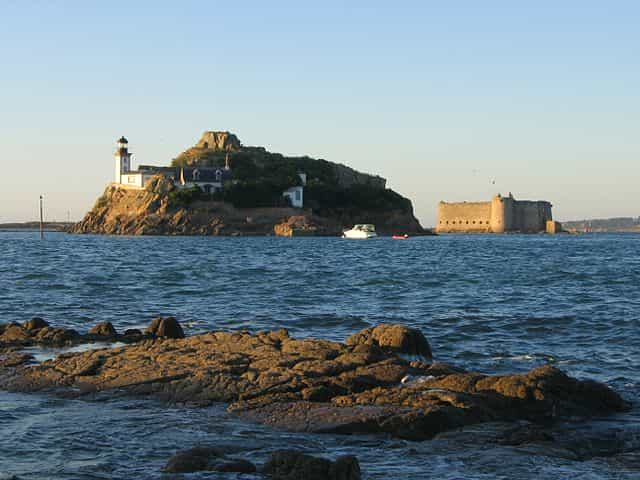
362, 230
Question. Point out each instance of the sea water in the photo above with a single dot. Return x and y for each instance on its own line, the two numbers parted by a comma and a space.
492, 304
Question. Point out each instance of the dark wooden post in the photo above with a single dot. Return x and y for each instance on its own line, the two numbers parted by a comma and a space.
41, 220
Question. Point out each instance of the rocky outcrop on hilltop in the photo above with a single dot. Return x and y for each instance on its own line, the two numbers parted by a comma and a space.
219, 141
381, 380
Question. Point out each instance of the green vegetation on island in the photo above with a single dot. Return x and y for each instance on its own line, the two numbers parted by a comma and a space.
259, 178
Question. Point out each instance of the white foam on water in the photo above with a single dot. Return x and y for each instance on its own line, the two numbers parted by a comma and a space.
43, 354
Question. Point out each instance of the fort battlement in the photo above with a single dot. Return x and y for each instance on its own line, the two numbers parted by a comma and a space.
499, 215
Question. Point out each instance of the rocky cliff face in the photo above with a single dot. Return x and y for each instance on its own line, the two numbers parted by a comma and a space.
121, 211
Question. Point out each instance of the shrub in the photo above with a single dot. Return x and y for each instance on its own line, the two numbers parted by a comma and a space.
185, 197
323, 197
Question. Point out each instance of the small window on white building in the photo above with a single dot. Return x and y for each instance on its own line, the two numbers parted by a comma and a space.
298, 195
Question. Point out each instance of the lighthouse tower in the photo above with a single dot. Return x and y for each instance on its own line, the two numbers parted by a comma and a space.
123, 159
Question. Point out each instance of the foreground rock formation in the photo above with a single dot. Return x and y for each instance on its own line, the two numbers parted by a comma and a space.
381, 380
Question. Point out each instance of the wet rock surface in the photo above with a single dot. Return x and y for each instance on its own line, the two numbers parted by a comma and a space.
165, 327
294, 465
104, 329
405, 341
365, 385
37, 332
203, 458
281, 464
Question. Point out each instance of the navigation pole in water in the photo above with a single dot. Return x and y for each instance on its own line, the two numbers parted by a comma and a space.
41, 221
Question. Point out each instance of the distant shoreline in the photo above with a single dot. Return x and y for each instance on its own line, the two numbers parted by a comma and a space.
48, 226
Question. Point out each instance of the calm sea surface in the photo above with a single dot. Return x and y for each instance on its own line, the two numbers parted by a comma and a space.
489, 303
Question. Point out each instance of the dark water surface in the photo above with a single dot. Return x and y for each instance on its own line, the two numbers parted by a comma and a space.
489, 303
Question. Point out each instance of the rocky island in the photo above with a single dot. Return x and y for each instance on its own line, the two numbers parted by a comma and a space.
220, 187
381, 380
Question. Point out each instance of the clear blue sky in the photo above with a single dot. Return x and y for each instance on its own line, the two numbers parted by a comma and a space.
441, 98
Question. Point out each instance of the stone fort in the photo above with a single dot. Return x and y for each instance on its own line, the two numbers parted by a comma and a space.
500, 215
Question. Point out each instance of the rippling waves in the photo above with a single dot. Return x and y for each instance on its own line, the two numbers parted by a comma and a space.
489, 303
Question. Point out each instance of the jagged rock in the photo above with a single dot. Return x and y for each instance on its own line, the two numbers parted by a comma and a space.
56, 336
165, 327
132, 332
236, 466
104, 329
407, 341
308, 417
161, 185
35, 323
525, 433
38, 332
207, 459
295, 465
14, 334
296, 226
193, 460
13, 359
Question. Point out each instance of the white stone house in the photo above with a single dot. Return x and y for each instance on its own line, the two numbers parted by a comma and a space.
296, 194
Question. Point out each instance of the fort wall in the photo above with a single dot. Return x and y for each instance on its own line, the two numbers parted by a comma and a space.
500, 215
464, 217
531, 216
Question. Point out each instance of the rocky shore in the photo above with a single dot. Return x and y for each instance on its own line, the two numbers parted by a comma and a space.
382, 380
150, 211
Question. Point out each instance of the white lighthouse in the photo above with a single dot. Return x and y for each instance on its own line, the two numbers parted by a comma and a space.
123, 159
